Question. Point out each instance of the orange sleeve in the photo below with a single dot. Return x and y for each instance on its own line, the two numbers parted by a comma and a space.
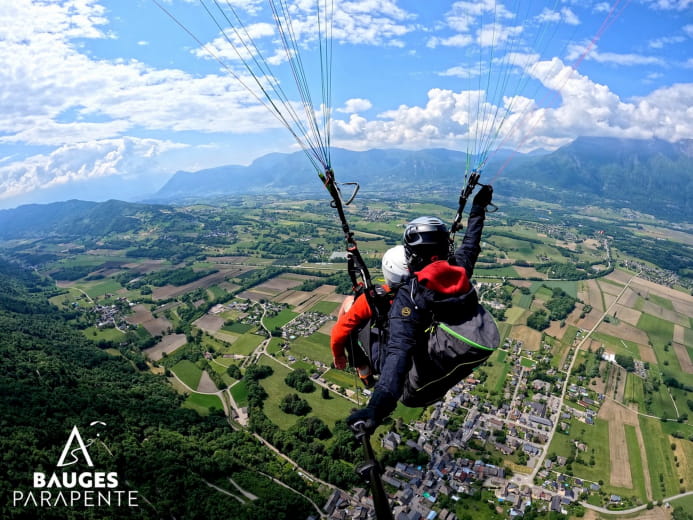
357, 316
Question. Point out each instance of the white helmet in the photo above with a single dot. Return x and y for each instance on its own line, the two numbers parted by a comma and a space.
395, 267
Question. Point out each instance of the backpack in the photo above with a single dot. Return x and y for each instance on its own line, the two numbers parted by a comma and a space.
453, 351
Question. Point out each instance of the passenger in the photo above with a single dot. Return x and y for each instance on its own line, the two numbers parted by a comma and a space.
355, 315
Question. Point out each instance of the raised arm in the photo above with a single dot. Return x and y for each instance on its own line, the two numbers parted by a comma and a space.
468, 251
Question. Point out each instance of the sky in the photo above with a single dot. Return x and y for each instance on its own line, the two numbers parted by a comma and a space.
105, 99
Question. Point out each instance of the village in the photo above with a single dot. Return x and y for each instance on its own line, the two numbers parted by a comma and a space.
521, 425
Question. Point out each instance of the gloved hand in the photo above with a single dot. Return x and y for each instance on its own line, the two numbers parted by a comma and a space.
380, 406
364, 418
483, 198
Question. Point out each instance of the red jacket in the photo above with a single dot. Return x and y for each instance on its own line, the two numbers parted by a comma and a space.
348, 322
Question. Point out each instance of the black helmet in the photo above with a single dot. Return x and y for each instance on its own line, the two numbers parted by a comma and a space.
426, 239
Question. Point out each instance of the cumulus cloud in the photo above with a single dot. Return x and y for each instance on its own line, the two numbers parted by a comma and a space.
355, 105
79, 162
584, 107
54, 94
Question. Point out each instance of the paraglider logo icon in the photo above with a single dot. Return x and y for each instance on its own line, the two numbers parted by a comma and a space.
81, 446
74, 436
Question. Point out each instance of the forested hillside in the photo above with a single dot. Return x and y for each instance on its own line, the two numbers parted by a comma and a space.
52, 378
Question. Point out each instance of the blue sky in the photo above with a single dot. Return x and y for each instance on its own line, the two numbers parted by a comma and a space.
102, 98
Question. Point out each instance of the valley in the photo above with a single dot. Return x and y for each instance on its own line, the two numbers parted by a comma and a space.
223, 302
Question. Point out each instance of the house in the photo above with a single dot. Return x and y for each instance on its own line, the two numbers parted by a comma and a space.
556, 503
541, 420
530, 449
391, 441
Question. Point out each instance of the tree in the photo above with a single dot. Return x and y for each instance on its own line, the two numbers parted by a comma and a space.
538, 320
299, 380
234, 372
293, 404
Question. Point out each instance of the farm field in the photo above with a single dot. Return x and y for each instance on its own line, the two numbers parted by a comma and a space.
202, 404
188, 372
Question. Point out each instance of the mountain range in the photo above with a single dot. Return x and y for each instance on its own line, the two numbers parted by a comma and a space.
651, 176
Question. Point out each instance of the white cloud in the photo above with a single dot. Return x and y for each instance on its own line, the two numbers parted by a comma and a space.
491, 35
237, 44
457, 40
688, 30
660, 43
53, 94
79, 162
463, 15
590, 52
602, 7
669, 5
355, 105
565, 15
465, 72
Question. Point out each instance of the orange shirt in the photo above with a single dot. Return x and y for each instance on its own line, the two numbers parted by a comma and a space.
355, 317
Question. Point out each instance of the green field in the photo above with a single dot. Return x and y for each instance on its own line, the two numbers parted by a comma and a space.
660, 459
329, 410
108, 334
275, 345
324, 307
495, 272
246, 344
341, 378
497, 370
220, 366
618, 345
240, 394
100, 288
202, 403
685, 502
527, 363
516, 315
316, 346
596, 437
281, 319
664, 303
635, 391
569, 287
635, 460
187, 372
521, 299
541, 292
237, 327
659, 331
